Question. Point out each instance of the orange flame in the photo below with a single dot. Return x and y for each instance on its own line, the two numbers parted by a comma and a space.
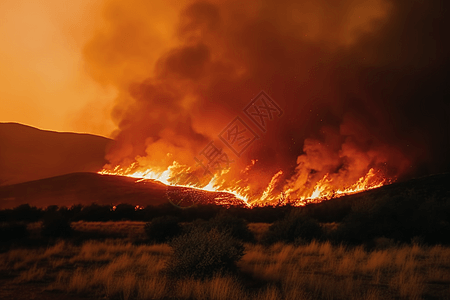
324, 189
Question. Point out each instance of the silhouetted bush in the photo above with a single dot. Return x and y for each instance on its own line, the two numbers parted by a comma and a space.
65, 212
162, 229
401, 218
295, 227
11, 231
51, 209
204, 212
95, 212
202, 253
56, 226
265, 214
124, 211
236, 227
26, 213
329, 211
75, 210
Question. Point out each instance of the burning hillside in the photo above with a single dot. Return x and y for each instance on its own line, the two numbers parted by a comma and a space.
187, 192
273, 102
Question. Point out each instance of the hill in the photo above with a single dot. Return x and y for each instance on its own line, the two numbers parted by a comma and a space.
402, 196
88, 188
28, 153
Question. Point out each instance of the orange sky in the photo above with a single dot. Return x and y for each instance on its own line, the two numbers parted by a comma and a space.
42, 78
44, 81
164, 72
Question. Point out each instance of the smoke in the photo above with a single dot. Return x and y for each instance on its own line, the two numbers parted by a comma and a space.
361, 85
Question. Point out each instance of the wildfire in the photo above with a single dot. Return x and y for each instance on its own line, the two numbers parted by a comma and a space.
171, 177
323, 190
178, 175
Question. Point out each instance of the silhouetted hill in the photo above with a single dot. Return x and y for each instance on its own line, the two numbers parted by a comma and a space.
88, 188
28, 153
407, 195
81, 188
416, 211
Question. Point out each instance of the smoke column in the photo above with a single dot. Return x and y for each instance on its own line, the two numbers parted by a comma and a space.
361, 85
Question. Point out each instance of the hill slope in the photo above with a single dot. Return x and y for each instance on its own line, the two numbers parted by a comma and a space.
87, 188
28, 153
409, 194
80, 188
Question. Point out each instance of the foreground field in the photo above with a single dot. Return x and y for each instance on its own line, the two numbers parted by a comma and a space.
119, 269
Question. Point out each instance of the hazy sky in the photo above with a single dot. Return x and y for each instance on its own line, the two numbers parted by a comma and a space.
43, 81
364, 82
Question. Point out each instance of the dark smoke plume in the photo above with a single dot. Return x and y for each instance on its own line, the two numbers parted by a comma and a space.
361, 85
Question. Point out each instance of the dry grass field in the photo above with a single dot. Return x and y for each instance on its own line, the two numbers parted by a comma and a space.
119, 269
125, 229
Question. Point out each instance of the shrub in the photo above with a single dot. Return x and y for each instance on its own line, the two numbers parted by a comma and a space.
26, 213
295, 227
400, 218
202, 253
162, 229
236, 227
124, 212
56, 226
93, 212
11, 231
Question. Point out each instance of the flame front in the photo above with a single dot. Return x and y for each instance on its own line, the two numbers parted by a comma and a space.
324, 189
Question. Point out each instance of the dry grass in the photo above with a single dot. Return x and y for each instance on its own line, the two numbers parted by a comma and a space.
125, 229
118, 269
35, 273
323, 271
259, 229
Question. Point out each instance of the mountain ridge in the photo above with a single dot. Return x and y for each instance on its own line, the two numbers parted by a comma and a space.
28, 153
